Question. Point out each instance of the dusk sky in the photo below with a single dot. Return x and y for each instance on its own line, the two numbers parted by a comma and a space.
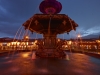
86, 13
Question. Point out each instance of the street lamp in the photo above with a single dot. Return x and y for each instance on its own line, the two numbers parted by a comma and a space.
69, 44
80, 41
26, 37
26, 40
79, 36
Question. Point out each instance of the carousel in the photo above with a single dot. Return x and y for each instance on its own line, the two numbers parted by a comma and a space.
50, 24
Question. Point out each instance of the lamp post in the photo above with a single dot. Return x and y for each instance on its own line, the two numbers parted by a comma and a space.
26, 39
97, 44
79, 36
78, 39
80, 42
70, 44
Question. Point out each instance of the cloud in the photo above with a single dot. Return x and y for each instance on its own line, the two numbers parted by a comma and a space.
91, 31
13, 14
3, 10
88, 33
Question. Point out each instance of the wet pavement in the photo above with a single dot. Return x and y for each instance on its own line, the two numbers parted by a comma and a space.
25, 63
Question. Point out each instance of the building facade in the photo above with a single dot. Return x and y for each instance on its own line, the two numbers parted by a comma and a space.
31, 44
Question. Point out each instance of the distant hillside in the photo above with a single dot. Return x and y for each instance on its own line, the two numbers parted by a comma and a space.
91, 36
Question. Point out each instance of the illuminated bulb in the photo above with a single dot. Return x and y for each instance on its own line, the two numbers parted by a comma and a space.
79, 36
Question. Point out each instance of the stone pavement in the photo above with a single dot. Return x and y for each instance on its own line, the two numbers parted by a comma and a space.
24, 63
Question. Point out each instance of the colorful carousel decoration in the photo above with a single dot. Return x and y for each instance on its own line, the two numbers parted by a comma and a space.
50, 24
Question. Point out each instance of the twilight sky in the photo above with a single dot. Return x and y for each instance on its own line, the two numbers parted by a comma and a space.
86, 13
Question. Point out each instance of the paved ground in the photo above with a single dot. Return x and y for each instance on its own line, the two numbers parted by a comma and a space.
25, 64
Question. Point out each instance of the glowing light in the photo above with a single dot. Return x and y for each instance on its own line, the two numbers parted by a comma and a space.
70, 42
80, 54
32, 43
33, 56
66, 46
26, 43
23, 43
18, 43
27, 37
35, 42
25, 55
13, 43
58, 40
98, 41
67, 57
79, 36
8, 44
0, 44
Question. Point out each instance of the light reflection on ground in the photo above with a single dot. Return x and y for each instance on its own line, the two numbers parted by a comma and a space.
24, 64
9, 61
25, 55
7, 57
79, 71
14, 69
43, 70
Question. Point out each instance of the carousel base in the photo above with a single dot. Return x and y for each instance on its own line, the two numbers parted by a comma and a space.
50, 53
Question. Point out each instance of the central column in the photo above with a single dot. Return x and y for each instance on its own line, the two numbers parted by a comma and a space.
50, 47
50, 44
50, 41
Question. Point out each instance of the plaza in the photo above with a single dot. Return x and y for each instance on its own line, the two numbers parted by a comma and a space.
25, 63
